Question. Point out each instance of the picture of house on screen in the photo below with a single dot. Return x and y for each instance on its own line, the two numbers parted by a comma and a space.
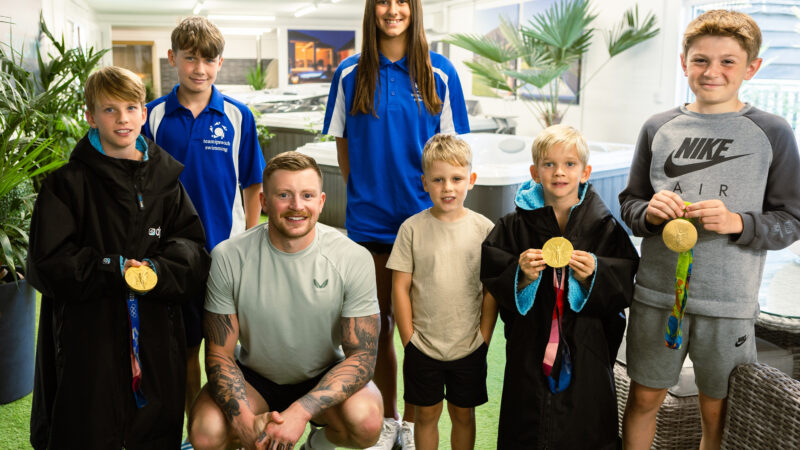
315, 54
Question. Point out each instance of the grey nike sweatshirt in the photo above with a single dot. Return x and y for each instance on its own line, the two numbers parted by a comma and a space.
748, 160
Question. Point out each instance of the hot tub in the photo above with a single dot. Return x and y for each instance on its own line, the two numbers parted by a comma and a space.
502, 164
295, 127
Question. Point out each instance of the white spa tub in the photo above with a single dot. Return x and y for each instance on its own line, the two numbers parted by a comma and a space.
501, 162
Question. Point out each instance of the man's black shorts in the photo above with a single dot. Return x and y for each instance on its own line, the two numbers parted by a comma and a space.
462, 381
279, 396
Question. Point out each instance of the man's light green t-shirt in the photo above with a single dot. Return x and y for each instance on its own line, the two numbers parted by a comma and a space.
290, 305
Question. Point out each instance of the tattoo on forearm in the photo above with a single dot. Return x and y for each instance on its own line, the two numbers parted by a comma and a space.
360, 346
225, 383
217, 327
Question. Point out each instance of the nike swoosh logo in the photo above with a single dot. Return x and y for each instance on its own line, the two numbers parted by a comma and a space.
741, 340
673, 170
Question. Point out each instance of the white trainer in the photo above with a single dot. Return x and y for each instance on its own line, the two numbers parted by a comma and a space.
388, 439
407, 435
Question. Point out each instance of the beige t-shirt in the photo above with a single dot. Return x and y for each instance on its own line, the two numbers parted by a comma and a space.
444, 259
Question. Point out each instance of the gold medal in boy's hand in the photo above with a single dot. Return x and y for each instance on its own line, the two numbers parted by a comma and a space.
557, 252
141, 279
679, 235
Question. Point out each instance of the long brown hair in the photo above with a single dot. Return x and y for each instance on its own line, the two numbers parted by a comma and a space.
417, 58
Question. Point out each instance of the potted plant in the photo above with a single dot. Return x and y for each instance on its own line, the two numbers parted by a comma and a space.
554, 41
257, 78
41, 119
21, 160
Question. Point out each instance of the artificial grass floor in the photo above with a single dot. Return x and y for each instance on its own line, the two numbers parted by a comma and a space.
15, 416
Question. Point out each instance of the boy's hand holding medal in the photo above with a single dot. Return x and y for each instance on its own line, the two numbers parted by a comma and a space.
557, 252
139, 277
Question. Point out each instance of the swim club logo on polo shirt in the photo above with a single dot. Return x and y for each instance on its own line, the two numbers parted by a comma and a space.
217, 141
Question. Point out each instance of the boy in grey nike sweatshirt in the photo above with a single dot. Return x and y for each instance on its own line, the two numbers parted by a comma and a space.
738, 168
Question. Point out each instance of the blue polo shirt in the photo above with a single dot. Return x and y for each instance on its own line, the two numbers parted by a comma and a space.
384, 187
220, 152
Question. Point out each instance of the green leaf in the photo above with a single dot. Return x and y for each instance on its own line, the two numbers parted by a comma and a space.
564, 25
490, 74
481, 46
630, 31
7, 252
538, 78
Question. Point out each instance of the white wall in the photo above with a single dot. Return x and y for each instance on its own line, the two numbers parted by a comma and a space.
629, 89
273, 43
235, 46
25, 27
61, 16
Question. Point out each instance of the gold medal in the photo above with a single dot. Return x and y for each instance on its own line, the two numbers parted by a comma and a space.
141, 279
679, 235
556, 252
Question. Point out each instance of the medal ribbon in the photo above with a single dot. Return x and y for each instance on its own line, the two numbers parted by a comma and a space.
683, 273
136, 366
551, 351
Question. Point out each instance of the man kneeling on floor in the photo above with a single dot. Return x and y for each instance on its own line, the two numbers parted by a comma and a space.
300, 298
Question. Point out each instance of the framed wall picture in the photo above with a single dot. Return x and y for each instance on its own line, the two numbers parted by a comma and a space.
315, 54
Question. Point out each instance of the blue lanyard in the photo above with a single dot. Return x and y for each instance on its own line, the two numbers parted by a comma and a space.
136, 365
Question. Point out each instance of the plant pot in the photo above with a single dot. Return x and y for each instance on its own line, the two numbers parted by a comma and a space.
17, 337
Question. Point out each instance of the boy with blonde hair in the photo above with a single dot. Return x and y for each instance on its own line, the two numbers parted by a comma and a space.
736, 167
444, 316
562, 334
215, 137
110, 360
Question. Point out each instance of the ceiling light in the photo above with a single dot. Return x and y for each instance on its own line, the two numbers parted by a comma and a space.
215, 17
335, 1
197, 7
239, 31
303, 11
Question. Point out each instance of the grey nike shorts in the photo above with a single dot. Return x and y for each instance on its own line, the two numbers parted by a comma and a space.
716, 346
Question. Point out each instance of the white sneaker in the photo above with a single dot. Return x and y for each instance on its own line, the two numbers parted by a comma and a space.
407, 435
388, 439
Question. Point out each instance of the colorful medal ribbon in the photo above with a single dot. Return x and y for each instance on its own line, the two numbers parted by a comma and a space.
680, 236
136, 365
556, 342
683, 273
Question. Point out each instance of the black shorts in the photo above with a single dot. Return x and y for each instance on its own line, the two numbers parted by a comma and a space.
279, 396
377, 248
193, 323
462, 381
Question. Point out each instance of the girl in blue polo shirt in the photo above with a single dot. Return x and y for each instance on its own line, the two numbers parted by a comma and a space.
384, 104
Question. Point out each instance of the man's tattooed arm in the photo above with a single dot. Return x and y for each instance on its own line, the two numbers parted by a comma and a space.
360, 346
225, 381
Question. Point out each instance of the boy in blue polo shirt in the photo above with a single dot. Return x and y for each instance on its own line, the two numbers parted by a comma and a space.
215, 138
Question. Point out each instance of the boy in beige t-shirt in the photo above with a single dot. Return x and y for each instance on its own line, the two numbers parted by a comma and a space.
444, 316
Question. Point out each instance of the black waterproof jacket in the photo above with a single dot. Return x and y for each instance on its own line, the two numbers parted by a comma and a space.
585, 414
87, 215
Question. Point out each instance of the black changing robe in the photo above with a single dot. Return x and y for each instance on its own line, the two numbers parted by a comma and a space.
87, 215
585, 414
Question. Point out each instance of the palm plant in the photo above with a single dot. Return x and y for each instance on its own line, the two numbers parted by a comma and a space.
41, 119
21, 160
552, 42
